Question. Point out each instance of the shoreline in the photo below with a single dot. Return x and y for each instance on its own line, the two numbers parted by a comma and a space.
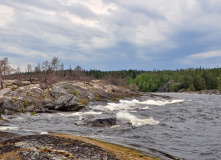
67, 147
216, 92
209, 92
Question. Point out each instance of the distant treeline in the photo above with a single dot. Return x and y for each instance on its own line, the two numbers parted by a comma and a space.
167, 80
49, 72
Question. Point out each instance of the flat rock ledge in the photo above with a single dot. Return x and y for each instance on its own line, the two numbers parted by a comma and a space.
61, 146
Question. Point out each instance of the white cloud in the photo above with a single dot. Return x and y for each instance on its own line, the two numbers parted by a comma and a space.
77, 20
96, 6
210, 54
6, 15
149, 34
20, 51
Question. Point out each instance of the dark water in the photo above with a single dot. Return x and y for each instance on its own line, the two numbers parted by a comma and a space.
187, 126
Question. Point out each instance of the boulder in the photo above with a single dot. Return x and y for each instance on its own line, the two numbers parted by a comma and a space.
44, 110
5, 92
67, 102
7, 83
75, 107
36, 90
103, 122
10, 106
30, 108
63, 101
25, 83
57, 91
91, 96
22, 83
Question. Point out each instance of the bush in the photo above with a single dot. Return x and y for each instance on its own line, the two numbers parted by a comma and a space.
133, 87
191, 88
26, 103
174, 88
75, 92
33, 113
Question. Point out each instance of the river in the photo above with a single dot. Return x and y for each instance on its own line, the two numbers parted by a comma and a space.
185, 126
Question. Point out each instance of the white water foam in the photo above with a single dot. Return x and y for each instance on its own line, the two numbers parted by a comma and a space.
149, 102
131, 105
111, 107
117, 106
9, 118
160, 103
115, 126
134, 120
122, 105
80, 114
8, 128
145, 108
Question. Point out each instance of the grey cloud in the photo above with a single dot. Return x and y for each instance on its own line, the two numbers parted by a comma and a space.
82, 11
43, 4
56, 35
137, 9
210, 6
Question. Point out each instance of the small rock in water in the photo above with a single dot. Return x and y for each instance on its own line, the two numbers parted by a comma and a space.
103, 122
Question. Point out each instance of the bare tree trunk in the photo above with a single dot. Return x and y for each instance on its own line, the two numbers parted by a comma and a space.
45, 79
1, 82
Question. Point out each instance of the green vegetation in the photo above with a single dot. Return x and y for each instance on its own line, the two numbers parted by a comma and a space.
33, 113
26, 103
23, 110
151, 81
75, 92
189, 79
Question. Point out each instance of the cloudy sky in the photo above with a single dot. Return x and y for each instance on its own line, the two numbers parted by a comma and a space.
112, 34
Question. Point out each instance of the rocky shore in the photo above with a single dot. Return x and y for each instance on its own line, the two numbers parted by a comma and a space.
214, 91
64, 96
58, 146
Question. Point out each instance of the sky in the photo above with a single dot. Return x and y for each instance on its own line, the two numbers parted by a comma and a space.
112, 34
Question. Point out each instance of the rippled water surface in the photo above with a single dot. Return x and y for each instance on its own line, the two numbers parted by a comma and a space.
186, 126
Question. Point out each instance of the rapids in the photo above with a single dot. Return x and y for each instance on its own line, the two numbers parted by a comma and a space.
186, 126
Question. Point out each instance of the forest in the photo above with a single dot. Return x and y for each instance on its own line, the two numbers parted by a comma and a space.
167, 80
49, 72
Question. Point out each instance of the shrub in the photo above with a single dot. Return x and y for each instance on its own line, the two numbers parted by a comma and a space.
174, 88
75, 92
23, 109
33, 113
133, 87
191, 88
26, 103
